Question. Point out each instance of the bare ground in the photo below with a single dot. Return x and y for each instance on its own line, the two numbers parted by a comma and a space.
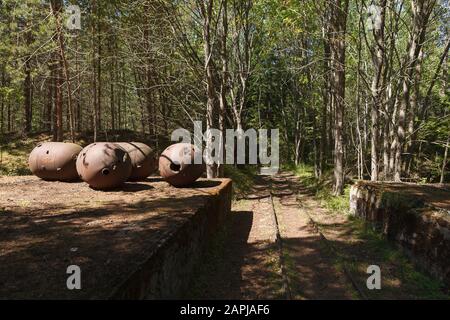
323, 254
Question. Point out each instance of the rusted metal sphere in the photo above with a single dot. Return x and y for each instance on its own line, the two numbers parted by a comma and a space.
143, 160
104, 165
54, 161
176, 164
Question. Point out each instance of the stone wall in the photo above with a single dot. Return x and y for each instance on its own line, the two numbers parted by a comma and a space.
406, 218
166, 272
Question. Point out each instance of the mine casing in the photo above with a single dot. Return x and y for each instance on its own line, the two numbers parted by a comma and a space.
104, 165
177, 166
143, 159
54, 161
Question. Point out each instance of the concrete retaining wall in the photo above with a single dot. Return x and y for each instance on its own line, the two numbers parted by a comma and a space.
423, 231
166, 273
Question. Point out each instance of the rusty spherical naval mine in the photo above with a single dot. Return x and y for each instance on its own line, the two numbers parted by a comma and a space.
143, 160
54, 161
104, 165
176, 164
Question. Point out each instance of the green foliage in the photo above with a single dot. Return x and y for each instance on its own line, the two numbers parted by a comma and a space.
14, 156
243, 178
336, 203
432, 137
287, 75
323, 188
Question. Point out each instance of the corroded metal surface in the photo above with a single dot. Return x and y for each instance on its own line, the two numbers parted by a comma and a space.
104, 165
143, 159
176, 164
54, 161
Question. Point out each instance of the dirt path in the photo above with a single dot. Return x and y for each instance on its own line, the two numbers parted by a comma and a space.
244, 263
282, 244
311, 270
252, 264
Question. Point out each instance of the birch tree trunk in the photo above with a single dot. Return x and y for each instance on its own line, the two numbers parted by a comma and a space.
421, 12
206, 9
337, 45
378, 60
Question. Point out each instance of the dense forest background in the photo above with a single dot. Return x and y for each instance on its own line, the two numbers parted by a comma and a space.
358, 88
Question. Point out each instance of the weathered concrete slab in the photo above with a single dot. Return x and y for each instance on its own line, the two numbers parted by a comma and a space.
415, 216
139, 241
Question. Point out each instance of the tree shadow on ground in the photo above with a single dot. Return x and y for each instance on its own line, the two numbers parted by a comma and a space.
314, 277
131, 186
203, 184
108, 242
232, 268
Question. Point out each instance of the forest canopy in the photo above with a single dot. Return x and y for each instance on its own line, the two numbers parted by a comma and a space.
359, 87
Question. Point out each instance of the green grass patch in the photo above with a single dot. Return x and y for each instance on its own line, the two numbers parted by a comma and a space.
14, 155
323, 188
243, 178
339, 204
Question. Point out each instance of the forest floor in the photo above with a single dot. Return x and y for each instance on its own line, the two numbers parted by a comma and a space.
283, 243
